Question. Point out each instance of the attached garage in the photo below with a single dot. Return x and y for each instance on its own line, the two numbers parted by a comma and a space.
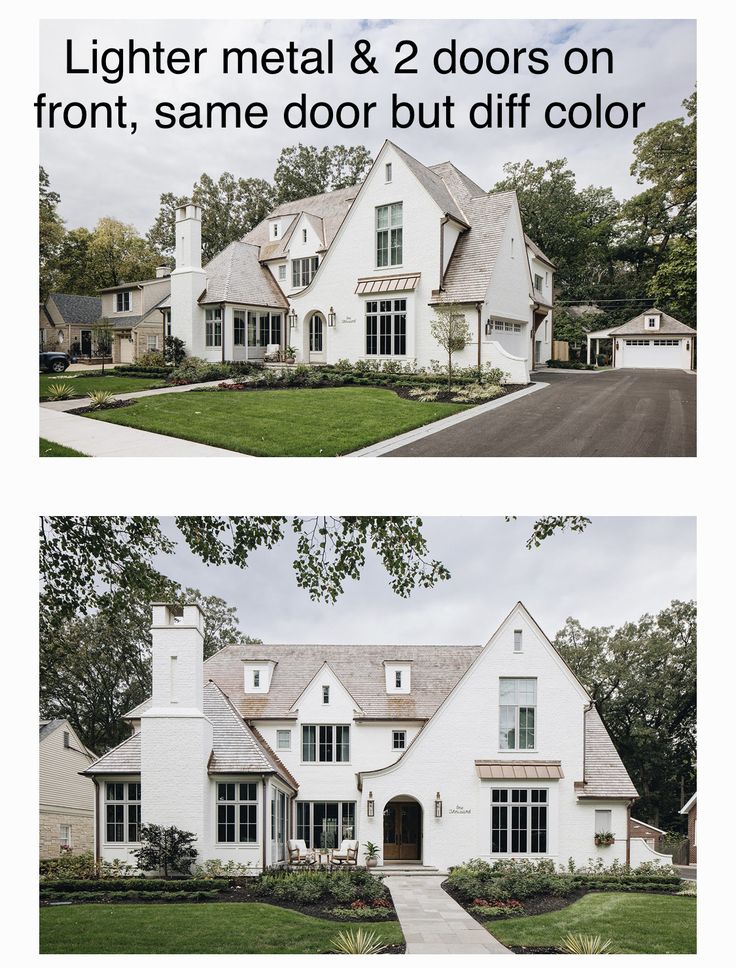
653, 340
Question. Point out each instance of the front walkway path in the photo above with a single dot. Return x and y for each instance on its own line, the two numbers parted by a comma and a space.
97, 438
435, 924
132, 395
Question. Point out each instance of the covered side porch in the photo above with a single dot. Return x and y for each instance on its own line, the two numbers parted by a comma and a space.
600, 343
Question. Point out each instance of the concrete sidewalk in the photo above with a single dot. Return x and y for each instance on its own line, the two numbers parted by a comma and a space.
132, 395
98, 438
435, 924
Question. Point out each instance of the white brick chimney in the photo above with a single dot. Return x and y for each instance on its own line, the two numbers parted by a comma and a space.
176, 736
188, 279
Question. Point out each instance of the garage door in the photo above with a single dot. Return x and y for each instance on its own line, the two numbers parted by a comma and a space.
653, 354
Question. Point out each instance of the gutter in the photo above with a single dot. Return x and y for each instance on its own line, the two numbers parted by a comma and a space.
222, 330
443, 222
265, 819
479, 307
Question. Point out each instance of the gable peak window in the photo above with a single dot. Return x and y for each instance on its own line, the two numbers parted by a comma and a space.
325, 695
389, 171
304, 235
389, 235
66, 740
518, 640
517, 714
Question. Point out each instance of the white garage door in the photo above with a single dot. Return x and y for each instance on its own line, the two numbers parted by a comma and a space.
665, 354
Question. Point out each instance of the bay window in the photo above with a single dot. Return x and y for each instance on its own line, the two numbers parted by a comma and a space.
517, 710
519, 821
122, 813
385, 327
389, 235
237, 813
325, 744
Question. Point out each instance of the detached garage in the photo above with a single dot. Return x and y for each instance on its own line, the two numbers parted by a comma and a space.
652, 340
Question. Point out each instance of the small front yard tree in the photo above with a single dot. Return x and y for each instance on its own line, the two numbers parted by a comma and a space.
451, 331
174, 350
102, 339
166, 850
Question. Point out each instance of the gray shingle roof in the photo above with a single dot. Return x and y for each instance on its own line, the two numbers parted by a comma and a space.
127, 322
434, 185
47, 727
668, 326
474, 256
605, 774
236, 276
330, 208
77, 309
538, 252
235, 746
461, 186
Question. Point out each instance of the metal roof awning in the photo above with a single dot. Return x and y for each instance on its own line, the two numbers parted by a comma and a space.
519, 769
403, 283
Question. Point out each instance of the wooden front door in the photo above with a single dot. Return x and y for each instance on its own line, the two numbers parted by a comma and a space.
402, 831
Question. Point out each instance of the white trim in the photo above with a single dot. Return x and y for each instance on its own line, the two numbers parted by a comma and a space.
690, 804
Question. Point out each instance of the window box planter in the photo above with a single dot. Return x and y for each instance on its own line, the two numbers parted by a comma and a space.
604, 839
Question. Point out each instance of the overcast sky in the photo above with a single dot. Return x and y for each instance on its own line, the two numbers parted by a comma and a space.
101, 172
617, 570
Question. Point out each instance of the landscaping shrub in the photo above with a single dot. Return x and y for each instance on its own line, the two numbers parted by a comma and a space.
569, 365
135, 369
313, 887
60, 391
194, 370
100, 398
365, 913
82, 867
217, 869
358, 942
153, 358
108, 897
137, 883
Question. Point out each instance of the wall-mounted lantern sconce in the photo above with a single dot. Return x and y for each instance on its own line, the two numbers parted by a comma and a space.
618, 345
687, 344
331, 317
292, 317
371, 805
489, 328
437, 806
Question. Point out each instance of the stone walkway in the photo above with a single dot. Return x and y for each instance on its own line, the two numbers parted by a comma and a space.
435, 924
132, 395
96, 438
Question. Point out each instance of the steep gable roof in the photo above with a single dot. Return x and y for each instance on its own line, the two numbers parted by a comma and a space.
433, 184
236, 275
77, 309
330, 208
669, 326
605, 774
538, 252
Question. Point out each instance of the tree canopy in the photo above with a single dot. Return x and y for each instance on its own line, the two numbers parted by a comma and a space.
304, 170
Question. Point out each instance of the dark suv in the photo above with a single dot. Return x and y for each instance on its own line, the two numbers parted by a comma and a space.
54, 362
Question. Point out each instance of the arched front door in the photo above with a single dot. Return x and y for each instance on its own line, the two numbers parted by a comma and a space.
402, 830
316, 338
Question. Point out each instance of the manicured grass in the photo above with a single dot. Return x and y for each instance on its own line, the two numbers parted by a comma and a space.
83, 384
635, 923
47, 448
282, 423
237, 928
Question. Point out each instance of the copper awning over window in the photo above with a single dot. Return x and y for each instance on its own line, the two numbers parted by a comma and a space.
519, 769
373, 284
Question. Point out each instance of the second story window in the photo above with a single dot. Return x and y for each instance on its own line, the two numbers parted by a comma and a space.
518, 640
389, 235
517, 714
275, 230
399, 739
256, 679
282, 273
397, 679
389, 171
302, 271
537, 282
325, 695
325, 744
304, 235
122, 302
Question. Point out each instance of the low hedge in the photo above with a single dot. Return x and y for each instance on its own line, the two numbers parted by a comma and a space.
570, 365
315, 887
147, 371
115, 885
107, 897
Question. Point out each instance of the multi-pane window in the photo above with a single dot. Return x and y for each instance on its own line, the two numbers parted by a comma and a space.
326, 744
283, 739
122, 302
256, 678
151, 342
269, 328
282, 273
122, 813
239, 327
323, 825
389, 235
213, 327
399, 739
302, 271
385, 327
397, 679
502, 327
65, 836
518, 639
519, 821
518, 707
537, 282
304, 235
325, 694
237, 813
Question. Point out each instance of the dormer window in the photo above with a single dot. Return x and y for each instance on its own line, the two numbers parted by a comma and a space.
389, 171
398, 677
257, 678
257, 675
325, 695
652, 322
518, 638
275, 230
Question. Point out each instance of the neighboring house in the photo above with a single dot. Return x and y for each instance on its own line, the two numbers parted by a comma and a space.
66, 798
66, 321
652, 340
649, 834
436, 753
357, 273
139, 314
691, 811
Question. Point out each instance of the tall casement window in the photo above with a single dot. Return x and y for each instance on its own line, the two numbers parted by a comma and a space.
326, 744
213, 327
518, 714
269, 328
237, 813
122, 813
323, 825
389, 235
302, 271
239, 327
519, 821
385, 327
122, 302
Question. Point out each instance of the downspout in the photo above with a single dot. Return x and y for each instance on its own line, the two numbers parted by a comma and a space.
265, 821
443, 222
97, 819
479, 307
628, 833
222, 325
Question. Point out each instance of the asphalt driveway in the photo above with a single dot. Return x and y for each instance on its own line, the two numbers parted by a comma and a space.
613, 413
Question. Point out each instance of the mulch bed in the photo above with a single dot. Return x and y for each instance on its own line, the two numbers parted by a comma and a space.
519, 950
541, 904
115, 405
401, 391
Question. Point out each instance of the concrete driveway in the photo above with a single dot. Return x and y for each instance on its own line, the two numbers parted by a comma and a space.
612, 413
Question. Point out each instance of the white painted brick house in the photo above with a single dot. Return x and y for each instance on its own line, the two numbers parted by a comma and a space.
435, 753
356, 274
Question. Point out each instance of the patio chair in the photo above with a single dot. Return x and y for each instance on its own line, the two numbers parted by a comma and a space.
347, 855
299, 854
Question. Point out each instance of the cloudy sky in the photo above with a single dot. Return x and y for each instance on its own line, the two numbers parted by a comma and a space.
617, 570
101, 172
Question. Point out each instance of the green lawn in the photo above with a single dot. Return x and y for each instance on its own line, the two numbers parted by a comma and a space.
635, 923
47, 448
282, 423
237, 928
83, 384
